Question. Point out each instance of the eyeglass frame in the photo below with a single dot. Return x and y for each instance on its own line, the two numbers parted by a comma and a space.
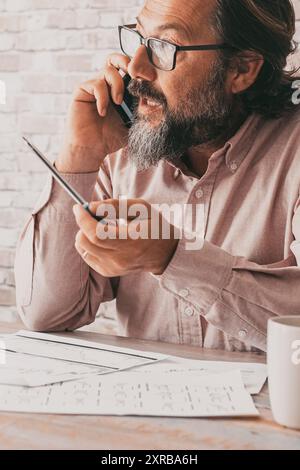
145, 42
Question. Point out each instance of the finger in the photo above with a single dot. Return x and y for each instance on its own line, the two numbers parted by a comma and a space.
80, 250
115, 81
112, 235
83, 254
110, 209
99, 234
83, 245
127, 209
118, 237
119, 61
86, 223
106, 209
102, 96
84, 92
94, 91
98, 260
77, 245
92, 262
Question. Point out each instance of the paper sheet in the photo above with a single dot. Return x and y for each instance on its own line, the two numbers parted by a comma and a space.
34, 359
126, 394
31, 371
254, 375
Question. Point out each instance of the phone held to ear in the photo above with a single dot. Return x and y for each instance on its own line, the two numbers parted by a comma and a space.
125, 110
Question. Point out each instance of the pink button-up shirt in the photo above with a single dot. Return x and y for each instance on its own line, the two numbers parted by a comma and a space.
220, 296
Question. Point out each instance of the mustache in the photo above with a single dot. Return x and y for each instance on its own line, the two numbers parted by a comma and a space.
143, 89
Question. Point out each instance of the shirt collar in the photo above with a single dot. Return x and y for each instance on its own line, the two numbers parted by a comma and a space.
237, 147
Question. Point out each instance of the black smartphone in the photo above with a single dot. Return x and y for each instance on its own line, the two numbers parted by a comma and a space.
125, 110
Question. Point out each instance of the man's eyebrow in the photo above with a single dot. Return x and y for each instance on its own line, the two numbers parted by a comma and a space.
167, 26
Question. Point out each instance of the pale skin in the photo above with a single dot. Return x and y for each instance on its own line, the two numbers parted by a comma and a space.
95, 129
109, 257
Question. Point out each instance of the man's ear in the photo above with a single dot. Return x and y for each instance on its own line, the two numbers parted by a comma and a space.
245, 68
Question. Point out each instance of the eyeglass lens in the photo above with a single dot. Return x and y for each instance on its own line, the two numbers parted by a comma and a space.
162, 53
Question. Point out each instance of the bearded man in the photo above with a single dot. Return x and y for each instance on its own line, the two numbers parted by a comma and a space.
216, 130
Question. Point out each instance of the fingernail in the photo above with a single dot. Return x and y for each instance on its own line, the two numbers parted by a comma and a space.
75, 209
103, 112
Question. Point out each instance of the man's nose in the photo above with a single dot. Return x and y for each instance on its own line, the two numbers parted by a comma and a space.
140, 66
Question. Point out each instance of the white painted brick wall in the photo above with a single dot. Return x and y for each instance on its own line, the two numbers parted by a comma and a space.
46, 48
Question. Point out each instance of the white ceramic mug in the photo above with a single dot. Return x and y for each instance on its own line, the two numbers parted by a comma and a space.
284, 369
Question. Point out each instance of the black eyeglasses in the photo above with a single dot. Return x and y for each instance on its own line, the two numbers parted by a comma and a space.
162, 54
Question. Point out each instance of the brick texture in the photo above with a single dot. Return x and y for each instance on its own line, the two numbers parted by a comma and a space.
46, 48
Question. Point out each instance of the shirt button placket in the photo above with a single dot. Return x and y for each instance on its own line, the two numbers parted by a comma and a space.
234, 167
189, 311
184, 293
243, 334
199, 193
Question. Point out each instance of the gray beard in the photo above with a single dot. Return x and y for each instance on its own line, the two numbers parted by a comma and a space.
147, 145
203, 118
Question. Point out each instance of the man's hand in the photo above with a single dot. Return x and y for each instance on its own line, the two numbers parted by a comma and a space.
118, 247
94, 128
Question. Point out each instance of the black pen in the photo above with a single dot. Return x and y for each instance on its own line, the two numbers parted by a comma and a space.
71, 191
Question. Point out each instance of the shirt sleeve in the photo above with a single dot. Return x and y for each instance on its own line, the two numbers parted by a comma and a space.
233, 293
56, 290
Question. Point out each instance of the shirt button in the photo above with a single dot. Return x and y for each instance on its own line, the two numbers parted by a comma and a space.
199, 194
243, 334
189, 312
234, 166
184, 293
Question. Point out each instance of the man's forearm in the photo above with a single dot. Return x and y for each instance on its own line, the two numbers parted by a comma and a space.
232, 293
53, 288
74, 159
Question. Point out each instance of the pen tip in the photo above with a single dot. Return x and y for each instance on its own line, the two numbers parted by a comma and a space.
27, 141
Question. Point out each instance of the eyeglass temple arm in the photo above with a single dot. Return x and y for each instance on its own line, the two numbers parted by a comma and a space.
208, 47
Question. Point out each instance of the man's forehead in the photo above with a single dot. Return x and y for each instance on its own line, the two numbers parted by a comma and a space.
189, 15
